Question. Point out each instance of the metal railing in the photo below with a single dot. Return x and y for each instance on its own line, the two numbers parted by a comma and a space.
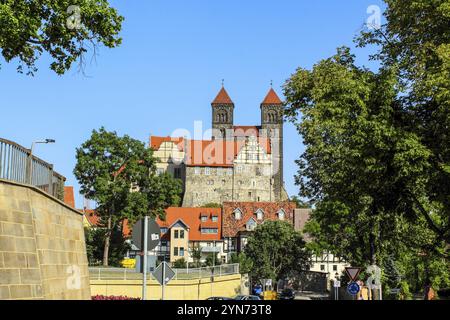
180, 274
17, 164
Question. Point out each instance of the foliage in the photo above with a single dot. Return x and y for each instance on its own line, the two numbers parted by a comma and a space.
377, 156
422, 58
245, 263
275, 250
212, 259
197, 256
31, 28
95, 246
118, 173
300, 203
180, 264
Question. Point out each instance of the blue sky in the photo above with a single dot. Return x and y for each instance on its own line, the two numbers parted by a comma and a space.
169, 68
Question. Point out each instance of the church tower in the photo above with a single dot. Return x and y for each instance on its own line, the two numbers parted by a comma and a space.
222, 116
272, 125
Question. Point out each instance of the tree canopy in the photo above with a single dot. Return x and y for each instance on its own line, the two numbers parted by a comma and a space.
376, 164
118, 173
64, 30
275, 250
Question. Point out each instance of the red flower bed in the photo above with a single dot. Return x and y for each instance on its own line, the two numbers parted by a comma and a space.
100, 298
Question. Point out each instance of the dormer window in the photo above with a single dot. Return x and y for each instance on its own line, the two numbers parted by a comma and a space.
237, 214
251, 225
281, 214
259, 214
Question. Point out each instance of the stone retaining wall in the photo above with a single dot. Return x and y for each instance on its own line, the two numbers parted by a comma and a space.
42, 246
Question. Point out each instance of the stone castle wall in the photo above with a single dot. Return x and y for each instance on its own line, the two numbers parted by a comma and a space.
42, 246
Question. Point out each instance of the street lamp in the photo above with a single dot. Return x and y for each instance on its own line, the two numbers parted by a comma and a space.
30, 160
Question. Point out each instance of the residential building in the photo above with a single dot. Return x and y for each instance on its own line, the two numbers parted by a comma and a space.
240, 219
187, 229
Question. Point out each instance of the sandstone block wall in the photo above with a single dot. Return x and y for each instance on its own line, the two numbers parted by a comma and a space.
42, 247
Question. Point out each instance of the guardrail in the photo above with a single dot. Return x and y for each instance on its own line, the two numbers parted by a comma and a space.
17, 164
180, 274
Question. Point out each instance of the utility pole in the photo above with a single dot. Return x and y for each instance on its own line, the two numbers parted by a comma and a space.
144, 256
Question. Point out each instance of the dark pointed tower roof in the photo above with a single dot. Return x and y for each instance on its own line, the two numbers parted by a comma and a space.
222, 97
271, 98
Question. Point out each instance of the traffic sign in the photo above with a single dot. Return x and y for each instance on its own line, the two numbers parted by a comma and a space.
164, 274
353, 273
353, 288
337, 284
154, 234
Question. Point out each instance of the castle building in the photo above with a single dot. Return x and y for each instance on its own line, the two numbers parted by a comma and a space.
239, 163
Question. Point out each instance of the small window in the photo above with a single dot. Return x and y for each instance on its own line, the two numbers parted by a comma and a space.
182, 236
207, 171
181, 252
259, 214
281, 214
215, 218
335, 267
204, 218
164, 230
237, 214
239, 169
176, 234
175, 251
322, 267
197, 170
177, 173
249, 194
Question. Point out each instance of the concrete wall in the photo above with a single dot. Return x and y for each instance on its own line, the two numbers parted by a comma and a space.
42, 247
225, 286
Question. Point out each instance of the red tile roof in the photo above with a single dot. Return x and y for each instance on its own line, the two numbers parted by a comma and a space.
192, 218
272, 98
92, 217
222, 97
210, 153
69, 197
232, 227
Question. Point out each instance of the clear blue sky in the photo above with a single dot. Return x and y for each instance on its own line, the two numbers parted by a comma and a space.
169, 68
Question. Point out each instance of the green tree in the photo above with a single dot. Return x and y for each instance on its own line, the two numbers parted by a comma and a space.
422, 58
65, 30
300, 203
245, 263
197, 255
180, 264
94, 246
212, 259
276, 250
118, 173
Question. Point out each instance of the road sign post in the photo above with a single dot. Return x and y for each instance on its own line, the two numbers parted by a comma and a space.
337, 285
144, 284
146, 237
164, 274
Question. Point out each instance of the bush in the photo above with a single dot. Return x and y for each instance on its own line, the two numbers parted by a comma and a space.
107, 298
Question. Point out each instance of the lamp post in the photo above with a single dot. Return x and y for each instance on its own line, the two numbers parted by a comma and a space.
30, 159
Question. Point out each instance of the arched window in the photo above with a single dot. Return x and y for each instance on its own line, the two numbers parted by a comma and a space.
281, 214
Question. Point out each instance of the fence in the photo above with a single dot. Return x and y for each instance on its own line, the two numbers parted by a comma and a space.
180, 274
17, 164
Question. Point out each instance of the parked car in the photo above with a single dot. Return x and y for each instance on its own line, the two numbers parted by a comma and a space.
219, 298
286, 294
247, 298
